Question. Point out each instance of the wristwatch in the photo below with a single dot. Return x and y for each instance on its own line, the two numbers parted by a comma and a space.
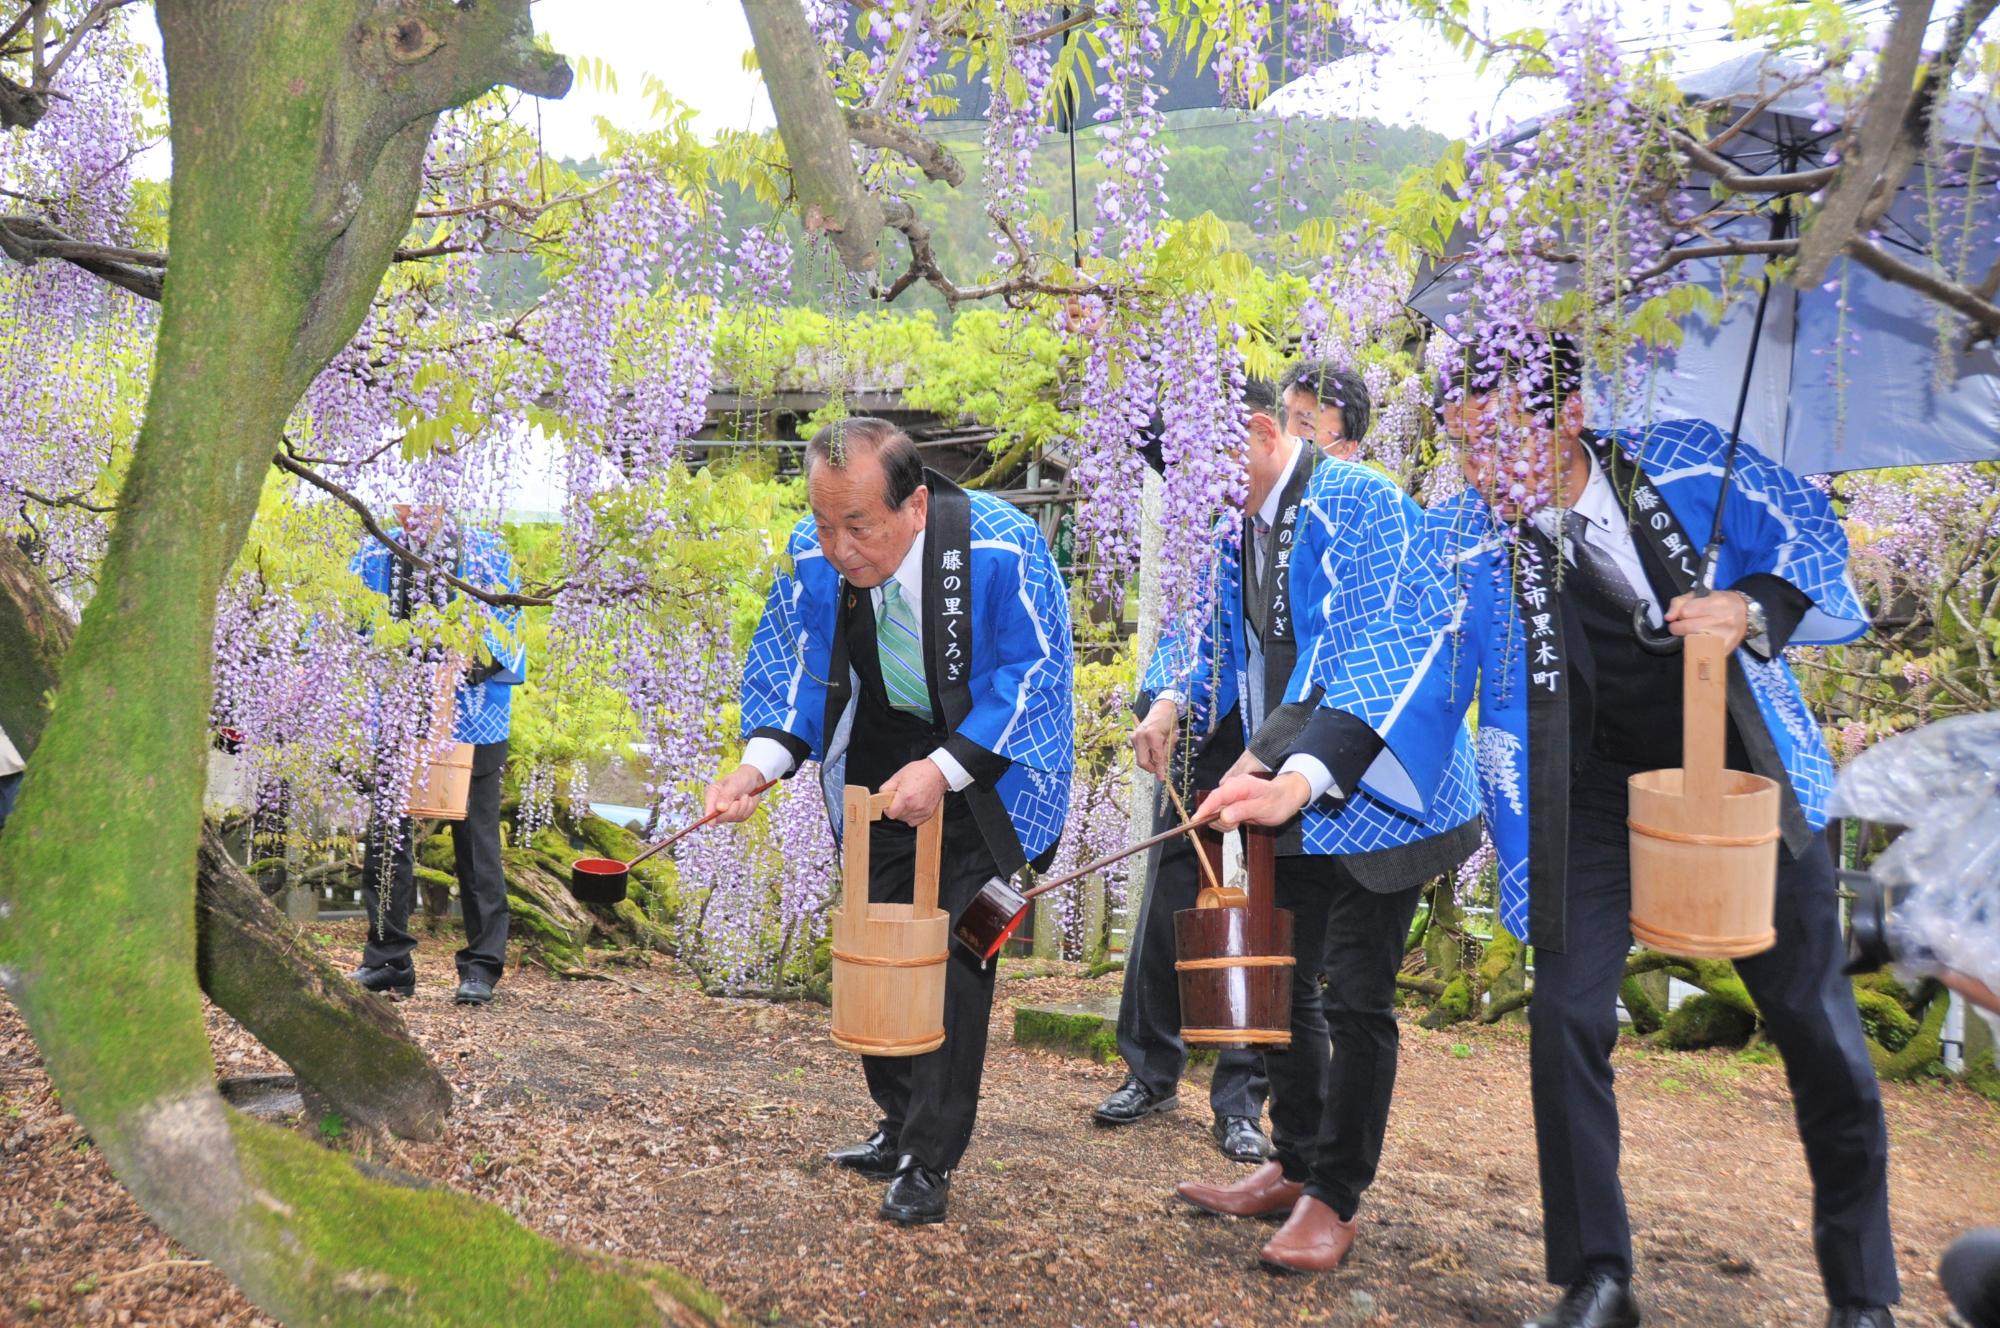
1755, 627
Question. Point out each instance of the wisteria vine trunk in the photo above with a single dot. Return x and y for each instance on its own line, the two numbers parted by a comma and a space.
298, 132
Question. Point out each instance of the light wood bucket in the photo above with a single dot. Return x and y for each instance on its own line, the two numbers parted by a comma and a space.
1704, 838
440, 787
888, 959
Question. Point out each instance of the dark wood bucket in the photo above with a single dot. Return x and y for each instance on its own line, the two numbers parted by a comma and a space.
1235, 964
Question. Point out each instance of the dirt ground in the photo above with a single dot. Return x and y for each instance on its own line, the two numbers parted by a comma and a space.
652, 1122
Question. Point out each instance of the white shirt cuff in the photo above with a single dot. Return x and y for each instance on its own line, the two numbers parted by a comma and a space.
769, 756
955, 774
1318, 778
1178, 698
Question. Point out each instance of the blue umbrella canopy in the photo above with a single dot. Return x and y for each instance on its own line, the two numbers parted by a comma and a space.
1855, 374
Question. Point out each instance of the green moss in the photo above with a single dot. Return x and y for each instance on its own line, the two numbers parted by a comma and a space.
1923, 1048
1454, 1006
1884, 1019
444, 880
328, 1219
1982, 1075
1069, 1030
1646, 1016
1885, 983
438, 853
1707, 1020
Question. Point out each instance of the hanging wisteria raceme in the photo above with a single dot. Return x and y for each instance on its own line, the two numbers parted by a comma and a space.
70, 343
1014, 129
800, 854
1131, 199
1202, 446
1118, 384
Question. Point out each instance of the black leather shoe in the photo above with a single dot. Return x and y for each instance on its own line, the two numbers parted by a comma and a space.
1240, 1139
389, 981
1847, 1316
1601, 1300
917, 1196
1131, 1102
874, 1157
473, 991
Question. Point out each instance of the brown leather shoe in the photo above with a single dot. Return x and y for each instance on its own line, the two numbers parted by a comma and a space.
1263, 1193
1313, 1239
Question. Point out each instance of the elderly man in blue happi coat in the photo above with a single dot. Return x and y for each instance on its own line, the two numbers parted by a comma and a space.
919, 644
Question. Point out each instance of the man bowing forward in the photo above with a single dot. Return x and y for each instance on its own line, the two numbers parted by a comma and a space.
919, 645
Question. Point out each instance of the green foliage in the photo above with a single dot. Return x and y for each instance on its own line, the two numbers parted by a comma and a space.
1707, 1020
1884, 1019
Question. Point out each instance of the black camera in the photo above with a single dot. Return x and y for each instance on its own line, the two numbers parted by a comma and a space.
1870, 946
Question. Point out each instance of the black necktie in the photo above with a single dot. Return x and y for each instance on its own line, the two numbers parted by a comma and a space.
1596, 565
1257, 574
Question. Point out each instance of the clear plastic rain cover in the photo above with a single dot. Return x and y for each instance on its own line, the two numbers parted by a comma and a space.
1942, 783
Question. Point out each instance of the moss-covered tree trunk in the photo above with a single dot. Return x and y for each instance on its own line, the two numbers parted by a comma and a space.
298, 132
350, 1048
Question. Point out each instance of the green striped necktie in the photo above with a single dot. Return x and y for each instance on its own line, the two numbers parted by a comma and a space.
902, 653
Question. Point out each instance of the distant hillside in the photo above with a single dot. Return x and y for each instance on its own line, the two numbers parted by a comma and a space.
1215, 159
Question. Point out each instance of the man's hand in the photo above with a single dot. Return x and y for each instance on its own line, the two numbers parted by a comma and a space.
1246, 764
918, 788
1972, 989
1154, 738
735, 794
1248, 800
1723, 613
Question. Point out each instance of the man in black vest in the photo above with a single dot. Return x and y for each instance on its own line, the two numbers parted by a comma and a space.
1149, 1010
919, 646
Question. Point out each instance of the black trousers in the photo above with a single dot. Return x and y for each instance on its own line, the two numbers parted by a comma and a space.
928, 1102
1149, 1011
482, 888
1330, 1099
1808, 1009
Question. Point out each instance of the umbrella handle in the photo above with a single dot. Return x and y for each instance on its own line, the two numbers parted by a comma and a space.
1653, 642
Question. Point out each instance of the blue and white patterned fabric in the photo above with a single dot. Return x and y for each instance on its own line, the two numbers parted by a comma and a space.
1349, 545
1021, 671
1454, 631
485, 712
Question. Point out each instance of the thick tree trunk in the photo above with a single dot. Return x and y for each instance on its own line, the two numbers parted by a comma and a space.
35, 632
815, 133
297, 131
350, 1047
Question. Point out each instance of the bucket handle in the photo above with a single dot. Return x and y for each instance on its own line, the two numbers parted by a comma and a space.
861, 809
1704, 719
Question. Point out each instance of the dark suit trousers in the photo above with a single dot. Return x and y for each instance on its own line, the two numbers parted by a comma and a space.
928, 1102
1328, 1120
1149, 1011
1808, 1009
482, 886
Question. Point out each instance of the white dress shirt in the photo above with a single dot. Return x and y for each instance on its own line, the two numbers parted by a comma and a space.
10, 760
770, 756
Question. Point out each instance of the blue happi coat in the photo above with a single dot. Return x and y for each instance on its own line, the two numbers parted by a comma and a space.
1020, 664
485, 710
1347, 545
1461, 627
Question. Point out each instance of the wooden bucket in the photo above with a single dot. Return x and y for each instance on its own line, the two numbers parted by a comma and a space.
1235, 962
1704, 837
888, 959
440, 787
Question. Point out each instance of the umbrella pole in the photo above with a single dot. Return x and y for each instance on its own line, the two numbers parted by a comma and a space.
1665, 642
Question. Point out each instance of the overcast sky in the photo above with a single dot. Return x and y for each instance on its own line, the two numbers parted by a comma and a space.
696, 47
